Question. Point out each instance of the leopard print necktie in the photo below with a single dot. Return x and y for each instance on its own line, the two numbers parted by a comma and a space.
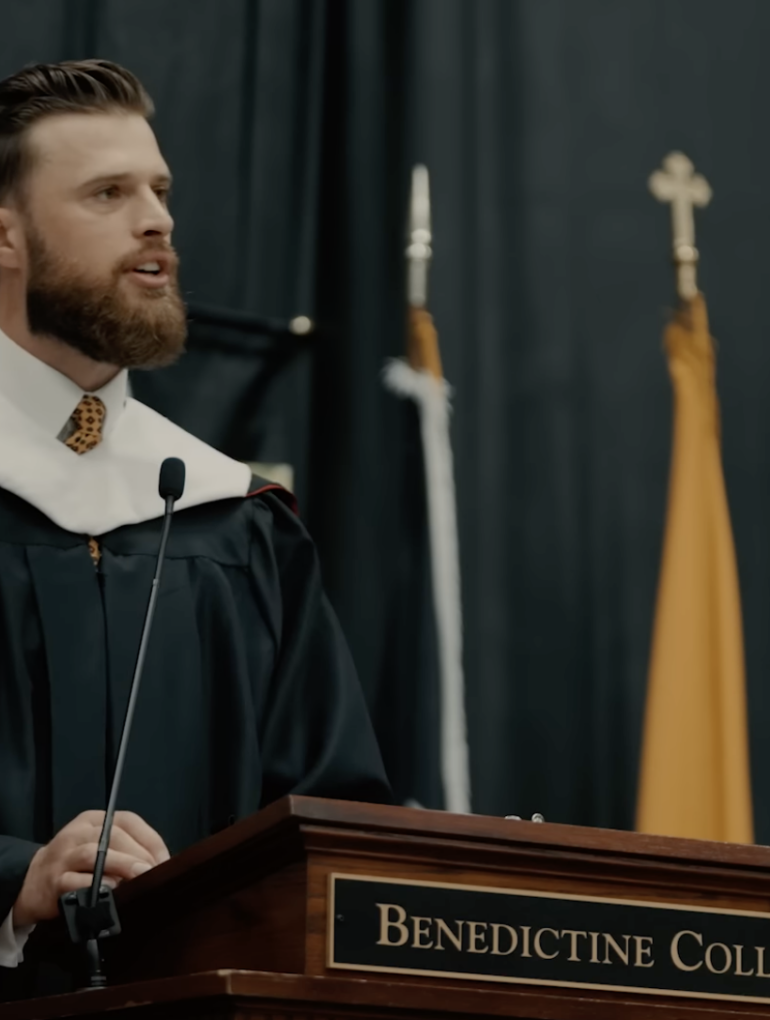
86, 422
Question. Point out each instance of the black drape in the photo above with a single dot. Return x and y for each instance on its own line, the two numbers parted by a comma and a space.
290, 127
541, 121
367, 504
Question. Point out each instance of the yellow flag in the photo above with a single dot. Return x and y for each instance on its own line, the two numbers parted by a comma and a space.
695, 778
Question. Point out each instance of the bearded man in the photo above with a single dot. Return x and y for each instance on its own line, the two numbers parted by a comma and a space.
249, 692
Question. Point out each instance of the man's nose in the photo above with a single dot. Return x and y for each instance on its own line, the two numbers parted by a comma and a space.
154, 218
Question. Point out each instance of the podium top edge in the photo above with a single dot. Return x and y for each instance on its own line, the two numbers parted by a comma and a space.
295, 826
300, 813
488, 828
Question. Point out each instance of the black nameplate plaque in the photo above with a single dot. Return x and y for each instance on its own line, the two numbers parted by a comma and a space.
517, 935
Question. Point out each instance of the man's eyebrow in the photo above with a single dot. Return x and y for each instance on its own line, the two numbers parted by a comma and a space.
120, 178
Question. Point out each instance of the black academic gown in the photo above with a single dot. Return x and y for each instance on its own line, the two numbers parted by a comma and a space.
249, 692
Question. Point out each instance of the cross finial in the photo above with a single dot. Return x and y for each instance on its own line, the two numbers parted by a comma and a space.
676, 183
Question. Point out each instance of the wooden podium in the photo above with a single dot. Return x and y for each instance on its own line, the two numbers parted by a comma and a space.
273, 918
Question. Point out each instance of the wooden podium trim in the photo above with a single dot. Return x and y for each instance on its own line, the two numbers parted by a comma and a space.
241, 993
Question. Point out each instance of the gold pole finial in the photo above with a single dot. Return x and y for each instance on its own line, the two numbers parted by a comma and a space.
677, 184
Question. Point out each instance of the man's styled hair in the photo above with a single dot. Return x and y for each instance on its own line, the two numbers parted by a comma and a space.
43, 90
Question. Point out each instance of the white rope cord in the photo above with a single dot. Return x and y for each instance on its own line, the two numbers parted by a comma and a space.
432, 397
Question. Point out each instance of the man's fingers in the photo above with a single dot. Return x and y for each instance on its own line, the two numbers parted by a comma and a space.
95, 818
122, 841
130, 834
116, 864
144, 834
72, 880
86, 822
83, 829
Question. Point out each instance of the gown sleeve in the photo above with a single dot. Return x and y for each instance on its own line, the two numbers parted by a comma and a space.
15, 857
316, 735
12, 942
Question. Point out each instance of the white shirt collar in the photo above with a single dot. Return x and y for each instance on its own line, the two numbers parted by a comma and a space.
116, 483
48, 397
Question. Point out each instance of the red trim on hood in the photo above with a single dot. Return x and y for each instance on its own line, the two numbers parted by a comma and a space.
287, 496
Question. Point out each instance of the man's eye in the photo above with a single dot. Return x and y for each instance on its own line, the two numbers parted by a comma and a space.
163, 194
110, 192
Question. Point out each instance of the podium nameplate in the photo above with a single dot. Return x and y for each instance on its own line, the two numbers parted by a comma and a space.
508, 935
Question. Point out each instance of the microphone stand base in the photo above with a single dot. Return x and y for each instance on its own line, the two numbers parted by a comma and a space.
86, 924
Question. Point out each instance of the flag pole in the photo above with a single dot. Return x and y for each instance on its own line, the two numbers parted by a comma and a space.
420, 377
695, 776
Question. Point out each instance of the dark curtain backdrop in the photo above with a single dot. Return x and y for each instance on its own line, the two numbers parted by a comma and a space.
291, 126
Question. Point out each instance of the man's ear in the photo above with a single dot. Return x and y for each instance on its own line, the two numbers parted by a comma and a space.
11, 238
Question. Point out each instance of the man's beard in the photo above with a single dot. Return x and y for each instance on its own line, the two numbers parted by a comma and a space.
97, 318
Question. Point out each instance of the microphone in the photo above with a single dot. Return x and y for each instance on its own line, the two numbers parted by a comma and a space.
91, 914
171, 481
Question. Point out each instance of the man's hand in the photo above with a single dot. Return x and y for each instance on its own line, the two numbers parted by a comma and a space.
67, 862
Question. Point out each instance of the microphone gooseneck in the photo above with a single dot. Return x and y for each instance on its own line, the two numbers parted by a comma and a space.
90, 913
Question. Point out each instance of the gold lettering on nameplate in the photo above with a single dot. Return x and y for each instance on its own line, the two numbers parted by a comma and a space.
709, 957
519, 935
573, 939
643, 951
539, 947
525, 930
387, 923
512, 935
675, 955
739, 971
477, 936
622, 954
456, 938
420, 932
